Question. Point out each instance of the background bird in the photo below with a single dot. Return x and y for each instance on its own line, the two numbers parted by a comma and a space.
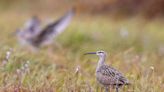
36, 37
107, 75
30, 29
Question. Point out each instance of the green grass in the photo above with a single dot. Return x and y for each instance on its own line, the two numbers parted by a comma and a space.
53, 69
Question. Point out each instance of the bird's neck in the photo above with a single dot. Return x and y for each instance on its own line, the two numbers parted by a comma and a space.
101, 61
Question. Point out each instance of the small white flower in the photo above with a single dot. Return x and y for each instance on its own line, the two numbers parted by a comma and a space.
151, 67
18, 71
26, 65
77, 69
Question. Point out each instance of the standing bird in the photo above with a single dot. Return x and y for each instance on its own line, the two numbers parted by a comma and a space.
107, 75
41, 37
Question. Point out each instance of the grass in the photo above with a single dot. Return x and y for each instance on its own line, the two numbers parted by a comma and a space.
134, 46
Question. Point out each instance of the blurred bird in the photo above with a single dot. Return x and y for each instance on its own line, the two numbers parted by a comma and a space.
107, 75
34, 36
30, 29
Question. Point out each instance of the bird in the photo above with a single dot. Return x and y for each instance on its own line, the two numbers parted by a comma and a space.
106, 75
30, 29
36, 37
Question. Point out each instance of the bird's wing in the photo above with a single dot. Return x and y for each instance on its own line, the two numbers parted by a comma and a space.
63, 22
58, 26
109, 75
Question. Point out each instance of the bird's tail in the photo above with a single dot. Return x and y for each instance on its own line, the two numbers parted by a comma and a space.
128, 83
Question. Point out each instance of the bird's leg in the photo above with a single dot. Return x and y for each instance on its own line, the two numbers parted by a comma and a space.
110, 89
116, 88
106, 89
117, 83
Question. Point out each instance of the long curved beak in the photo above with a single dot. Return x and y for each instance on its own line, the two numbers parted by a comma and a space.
89, 53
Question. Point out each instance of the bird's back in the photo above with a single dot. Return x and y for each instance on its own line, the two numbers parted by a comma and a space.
107, 75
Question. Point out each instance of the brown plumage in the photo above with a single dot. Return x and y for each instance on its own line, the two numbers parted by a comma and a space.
107, 75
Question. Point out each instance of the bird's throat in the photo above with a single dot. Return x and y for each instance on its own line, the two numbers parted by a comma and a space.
101, 61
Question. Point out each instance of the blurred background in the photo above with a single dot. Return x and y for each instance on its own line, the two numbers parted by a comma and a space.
121, 23
117, 8
130, 31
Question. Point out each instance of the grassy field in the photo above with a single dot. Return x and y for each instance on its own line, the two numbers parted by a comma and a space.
135, 46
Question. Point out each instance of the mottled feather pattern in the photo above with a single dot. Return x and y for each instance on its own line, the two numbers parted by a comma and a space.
109, 76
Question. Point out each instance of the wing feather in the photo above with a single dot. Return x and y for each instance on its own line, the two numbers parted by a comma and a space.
55, 28
109, 76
